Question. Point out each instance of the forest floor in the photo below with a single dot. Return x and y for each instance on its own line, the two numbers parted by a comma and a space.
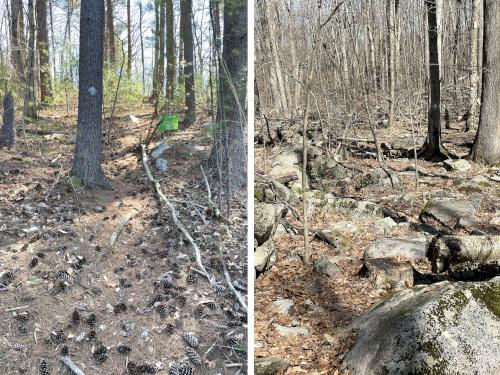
323, 305
65, 290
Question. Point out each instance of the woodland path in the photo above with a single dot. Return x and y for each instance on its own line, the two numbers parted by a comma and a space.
57, 264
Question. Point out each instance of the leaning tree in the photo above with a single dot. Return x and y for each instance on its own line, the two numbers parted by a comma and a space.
88, 151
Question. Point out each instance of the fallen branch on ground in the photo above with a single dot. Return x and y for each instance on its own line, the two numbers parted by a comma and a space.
215, 210
230, 283
71, 366
121, 224
173, 214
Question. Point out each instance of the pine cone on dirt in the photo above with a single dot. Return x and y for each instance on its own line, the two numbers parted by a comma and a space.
191, 339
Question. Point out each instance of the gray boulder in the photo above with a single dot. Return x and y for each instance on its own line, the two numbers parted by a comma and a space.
447, 211
388, 262
265, 256
290, 331
283, 306
460, 165
443, 328
411, 249
327, 267
266, 219
354, 208
380, 178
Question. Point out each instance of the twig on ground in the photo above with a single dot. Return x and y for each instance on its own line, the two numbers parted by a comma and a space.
71, 366
209, 193
121, 224
16, 308
230, 283
173, 214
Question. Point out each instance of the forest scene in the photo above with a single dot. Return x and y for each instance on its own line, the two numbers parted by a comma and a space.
123, 189
377, 187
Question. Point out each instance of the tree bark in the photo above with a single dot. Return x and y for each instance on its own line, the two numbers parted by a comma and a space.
154, 94
391, 15
142, 49
15, 39
455, 252
187, 37
161, 53
88, 150
8, 131
111, 33
432, 146
170, 40
43, 51
29, 106
471, 115
129, 41
486, 147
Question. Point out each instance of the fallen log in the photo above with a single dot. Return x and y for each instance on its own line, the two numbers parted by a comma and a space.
457, 253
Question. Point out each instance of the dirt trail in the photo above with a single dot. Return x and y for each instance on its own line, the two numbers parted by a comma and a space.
55, 259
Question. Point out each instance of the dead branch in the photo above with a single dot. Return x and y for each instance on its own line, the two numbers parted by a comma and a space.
209, 193
173, 214
71, 366
230, 283
121, 224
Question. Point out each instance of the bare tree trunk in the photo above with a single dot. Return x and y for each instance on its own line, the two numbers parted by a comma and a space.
52, 40
391, 15
187, 37
275, 57
432, 146
8, 131
471, 115
43, 50
154, 94
88, 151
129, 41
16, 31
486, 148
111, 32
142, 49
161, 52
170, 40
29, 107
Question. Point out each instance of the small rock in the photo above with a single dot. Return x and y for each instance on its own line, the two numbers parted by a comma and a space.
460, 165
383, 225
345, 227
265, 256
403, 248
161, 164
159, 149
291, 331
327, 267
467, 222
270, 365
282, 306
382, 178
447, 211
31, 229
131, 118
